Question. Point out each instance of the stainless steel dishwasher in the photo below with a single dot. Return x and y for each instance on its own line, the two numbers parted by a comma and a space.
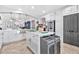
50, 44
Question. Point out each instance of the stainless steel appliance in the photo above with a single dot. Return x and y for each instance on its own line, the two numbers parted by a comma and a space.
57, 44
51, 26
28, 24
50, 44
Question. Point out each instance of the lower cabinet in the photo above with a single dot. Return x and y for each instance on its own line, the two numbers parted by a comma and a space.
33, 42
78, 38
34, 46
1, 38
44, 44
67, 38
71, 38
11, 36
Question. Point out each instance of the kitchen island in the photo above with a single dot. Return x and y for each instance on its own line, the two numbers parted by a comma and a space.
39, 42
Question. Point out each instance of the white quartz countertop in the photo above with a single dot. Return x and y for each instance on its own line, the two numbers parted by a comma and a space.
44, 33
41, 33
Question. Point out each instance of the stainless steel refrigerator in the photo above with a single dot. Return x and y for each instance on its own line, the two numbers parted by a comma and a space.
51, 26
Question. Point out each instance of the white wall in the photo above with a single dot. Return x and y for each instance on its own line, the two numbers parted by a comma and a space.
0, 39
58, 16
59, 26
59, 23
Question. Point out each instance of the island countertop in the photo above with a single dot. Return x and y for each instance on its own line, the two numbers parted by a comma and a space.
44, 33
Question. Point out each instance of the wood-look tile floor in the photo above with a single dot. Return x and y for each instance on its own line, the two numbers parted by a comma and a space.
70, 49
16, 48
20, 48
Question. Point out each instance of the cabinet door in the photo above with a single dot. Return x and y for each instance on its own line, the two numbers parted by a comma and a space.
66, 29
28, 38
1, 38
73, 29
6, 37
68, 20
34, 43
65, 19
64, 37
78, 29
73, 23
67, 23
34, 46
67, 37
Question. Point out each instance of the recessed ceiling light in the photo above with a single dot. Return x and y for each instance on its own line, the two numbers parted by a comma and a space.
44, 11
20, 9
33, 7
11, 20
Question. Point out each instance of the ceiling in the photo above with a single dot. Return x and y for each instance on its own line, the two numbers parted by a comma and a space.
33, 10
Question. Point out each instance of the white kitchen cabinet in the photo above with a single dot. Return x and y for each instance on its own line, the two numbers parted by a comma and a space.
34, 46
34, 42
28, 38
78, 8
74, 9
70, 10
11, 36
49, 17
1, 38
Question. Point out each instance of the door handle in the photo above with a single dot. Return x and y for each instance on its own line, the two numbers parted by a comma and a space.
71, 31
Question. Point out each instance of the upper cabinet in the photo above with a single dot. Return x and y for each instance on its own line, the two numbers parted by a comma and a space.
78, 8
70, 10
49, 17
